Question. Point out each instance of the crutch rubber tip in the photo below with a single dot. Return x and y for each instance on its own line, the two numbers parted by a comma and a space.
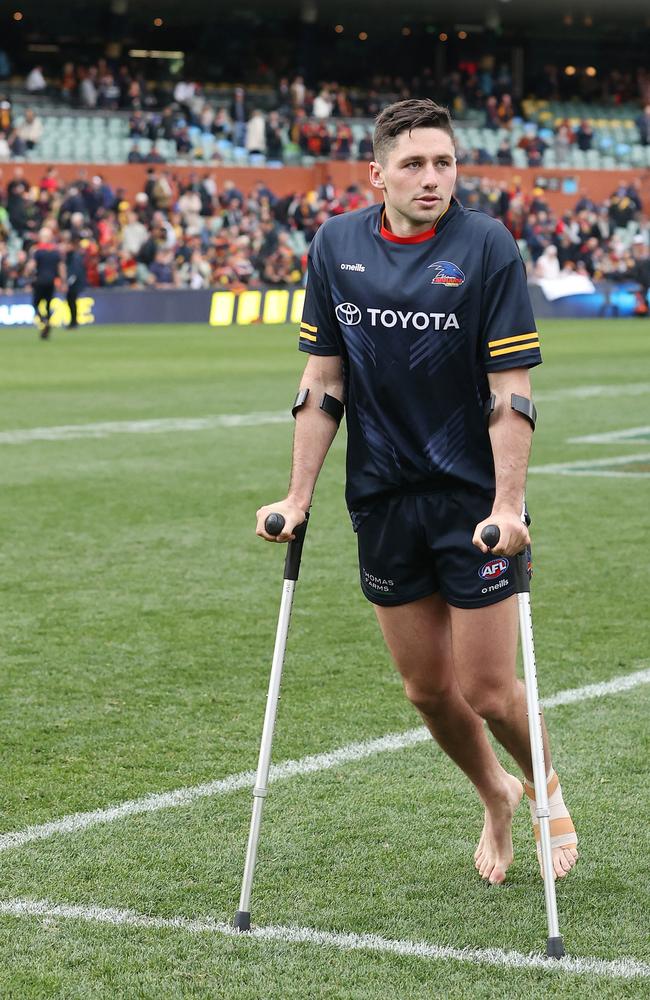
242, 921
274, 524
555, 947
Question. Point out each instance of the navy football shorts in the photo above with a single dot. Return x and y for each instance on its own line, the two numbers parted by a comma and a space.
411, 546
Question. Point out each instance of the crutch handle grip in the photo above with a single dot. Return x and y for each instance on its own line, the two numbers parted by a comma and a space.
274, 524
490, 535
294, 551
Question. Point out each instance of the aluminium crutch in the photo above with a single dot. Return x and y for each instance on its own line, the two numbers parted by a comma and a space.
273, 525
490, 536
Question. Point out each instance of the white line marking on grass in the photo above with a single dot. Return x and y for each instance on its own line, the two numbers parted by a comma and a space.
596, 467
592, 391
622, 968
167, 425
630, 434
289, 769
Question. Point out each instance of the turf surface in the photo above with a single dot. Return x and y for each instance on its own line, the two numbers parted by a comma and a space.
137, 617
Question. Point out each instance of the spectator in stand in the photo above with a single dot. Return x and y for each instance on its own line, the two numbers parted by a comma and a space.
6, 117
154, 155
365, 149
88, 89
134, 235
585, 136
505, 111
161, 268
138, 126
298, 92
108, 93
30, 129
255, 140
624, 205
222, 127
562, 145
643, 125
239, 116
274, 140
534, 147
35, 82
135, 156
322, 107
492, 119
504, 153
547, 267
68, 88
342, 146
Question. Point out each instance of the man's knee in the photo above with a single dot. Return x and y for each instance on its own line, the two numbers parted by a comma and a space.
492, 702
426, 695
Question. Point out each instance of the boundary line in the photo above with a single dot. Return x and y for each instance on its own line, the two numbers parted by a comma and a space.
622, 968
629, 435
162, 425
291, 768
596, 467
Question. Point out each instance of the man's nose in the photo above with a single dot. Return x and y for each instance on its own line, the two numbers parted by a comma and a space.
430, 178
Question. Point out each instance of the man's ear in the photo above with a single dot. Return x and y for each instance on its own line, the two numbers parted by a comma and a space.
376, 174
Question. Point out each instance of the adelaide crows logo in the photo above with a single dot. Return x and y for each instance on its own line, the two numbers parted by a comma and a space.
447, 274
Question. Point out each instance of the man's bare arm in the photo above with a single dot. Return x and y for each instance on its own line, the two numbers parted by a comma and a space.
510, 437
313, 435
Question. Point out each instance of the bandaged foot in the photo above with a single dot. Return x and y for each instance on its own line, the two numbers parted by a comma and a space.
563, 835
494, 852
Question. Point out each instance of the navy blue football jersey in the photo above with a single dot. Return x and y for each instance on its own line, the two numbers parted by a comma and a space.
418, 322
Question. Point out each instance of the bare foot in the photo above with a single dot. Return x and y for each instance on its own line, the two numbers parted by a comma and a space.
494, 852
564, 859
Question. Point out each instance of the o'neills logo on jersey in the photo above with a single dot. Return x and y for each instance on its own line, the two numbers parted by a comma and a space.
447, 274
352, 267
349, 314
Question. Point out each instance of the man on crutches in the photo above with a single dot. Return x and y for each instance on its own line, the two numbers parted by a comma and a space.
417, 317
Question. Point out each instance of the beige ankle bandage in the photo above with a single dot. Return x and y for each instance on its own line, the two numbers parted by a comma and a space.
563, 832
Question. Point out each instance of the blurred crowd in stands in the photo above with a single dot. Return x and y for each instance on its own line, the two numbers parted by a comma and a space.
266, 122
184, 232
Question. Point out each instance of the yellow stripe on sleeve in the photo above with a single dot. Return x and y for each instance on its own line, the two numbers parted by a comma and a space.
511, 340
308, 336
306, 326
517, 347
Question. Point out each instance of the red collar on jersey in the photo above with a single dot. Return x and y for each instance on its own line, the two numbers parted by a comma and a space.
419, 238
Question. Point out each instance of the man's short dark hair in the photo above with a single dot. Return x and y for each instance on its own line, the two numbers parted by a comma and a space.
404, 116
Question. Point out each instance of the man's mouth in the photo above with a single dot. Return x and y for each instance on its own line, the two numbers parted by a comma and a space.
428, 199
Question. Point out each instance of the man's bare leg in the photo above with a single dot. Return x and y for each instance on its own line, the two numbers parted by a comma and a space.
484, 642
419, 638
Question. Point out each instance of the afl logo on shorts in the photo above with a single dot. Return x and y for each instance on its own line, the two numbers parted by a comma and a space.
447, 274
493, 569
348, 314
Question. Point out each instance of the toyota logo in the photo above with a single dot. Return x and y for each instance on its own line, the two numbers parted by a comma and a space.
348, 313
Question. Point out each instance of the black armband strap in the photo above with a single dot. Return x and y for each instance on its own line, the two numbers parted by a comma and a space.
330, 405
488, 406
521, 404
333, 407
299, 401
525, 406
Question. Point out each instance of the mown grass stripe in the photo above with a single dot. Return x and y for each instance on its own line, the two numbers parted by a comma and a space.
622, 968
76, 822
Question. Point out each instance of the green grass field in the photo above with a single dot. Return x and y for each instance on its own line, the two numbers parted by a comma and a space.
137, 615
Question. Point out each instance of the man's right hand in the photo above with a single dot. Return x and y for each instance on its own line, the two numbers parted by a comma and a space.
292, 513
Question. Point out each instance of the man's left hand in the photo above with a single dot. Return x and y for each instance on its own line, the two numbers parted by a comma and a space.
514, 535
